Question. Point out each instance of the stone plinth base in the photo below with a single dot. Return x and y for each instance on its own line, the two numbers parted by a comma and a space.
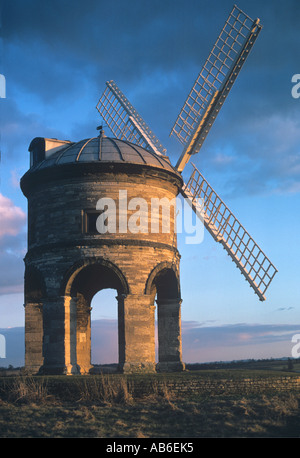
59, 370
134, 368
32, 370
172, 366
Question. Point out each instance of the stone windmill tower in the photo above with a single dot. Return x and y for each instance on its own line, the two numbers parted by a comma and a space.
78, 243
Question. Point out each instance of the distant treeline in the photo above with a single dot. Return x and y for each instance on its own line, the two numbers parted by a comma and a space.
243, 364
268, 363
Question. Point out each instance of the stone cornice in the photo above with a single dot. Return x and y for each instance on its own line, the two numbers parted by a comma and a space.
95, 243
90, 171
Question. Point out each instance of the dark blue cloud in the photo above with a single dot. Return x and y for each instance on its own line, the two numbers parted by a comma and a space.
58, 55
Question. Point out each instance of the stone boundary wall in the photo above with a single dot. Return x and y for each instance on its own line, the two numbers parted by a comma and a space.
209, 386
176, 387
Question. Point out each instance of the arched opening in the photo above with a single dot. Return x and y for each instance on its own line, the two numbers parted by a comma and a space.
104, 330
166, 284
166, 287
84, 289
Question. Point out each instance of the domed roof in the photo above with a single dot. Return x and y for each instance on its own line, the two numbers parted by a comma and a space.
100, 149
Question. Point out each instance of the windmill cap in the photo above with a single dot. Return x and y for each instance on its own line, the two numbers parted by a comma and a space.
52, 152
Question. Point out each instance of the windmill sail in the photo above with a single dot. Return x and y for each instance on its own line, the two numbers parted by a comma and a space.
191, 127
227, 230
214, 82
124, 121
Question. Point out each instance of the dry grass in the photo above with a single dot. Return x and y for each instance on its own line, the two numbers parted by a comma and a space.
28, 389
105, 389
105, 406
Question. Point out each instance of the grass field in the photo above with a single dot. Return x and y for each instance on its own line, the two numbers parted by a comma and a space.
106, 406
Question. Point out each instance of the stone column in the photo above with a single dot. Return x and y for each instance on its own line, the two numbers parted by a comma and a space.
33, 336
54, 336
59, 335
121, 330
136, 333
169, 335
70, 335
83, 333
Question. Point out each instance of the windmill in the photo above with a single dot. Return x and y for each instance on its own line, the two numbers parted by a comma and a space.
191, 127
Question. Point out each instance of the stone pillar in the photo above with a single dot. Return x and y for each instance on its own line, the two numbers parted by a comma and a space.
54, 336
121, 330
59, 342
33, 336
83, 333
169, 335
136, 334
70, 304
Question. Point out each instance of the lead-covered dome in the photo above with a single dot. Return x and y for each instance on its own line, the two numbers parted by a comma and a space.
47, 153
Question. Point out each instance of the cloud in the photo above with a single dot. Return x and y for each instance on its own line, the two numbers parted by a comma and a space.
58, 59
18, 126
12, 246
89, 30
205, 342
104, 335
12, 217
68, 44
261, 157
201, 343
229, 335
222, 159
12, 273
282, 309
15, 178
14, 347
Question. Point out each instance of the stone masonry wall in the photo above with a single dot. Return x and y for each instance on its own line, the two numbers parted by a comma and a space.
60, 247
213, 386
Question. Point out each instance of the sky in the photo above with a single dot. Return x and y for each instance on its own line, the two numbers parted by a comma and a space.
56, 57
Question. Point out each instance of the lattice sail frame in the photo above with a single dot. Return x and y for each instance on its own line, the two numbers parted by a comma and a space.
226, 229
214, 82
124, 121
195, 120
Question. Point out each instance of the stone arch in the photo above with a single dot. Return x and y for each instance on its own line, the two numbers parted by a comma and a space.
70, 275
164, 278
81, 282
